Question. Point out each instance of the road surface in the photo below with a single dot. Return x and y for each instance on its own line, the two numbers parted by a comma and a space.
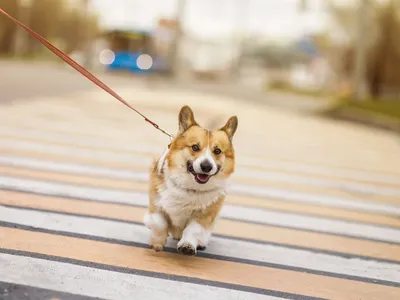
312, 213
21, 80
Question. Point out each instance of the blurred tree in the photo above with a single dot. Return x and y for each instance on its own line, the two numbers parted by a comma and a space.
79, 29
7, 28
383, 73
54, 20
383, 62
342, 18
45, 16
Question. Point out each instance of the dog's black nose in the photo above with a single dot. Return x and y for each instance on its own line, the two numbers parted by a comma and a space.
206, 166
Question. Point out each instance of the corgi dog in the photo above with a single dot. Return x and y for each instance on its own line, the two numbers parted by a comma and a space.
187, 185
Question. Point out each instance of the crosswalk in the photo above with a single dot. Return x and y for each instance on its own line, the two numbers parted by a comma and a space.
73, 192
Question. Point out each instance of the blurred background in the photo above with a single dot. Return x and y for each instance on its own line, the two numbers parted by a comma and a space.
326, 49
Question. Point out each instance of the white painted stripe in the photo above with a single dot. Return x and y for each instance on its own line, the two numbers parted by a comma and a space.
310, 169
218, 246
46, 165
241, 158
326, 200
104, 284
348, 187
311, 223
66, 190
229, 211
345, 186
118, 142
241, 189
73, 151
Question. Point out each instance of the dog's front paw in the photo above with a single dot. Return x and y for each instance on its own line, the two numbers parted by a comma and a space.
157, 243
157, 247
187, 249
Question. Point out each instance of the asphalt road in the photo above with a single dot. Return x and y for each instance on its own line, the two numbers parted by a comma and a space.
23, 80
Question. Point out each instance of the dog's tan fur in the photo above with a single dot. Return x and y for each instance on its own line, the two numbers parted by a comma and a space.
178, 205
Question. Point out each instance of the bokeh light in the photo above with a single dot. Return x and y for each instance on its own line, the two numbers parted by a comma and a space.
106, 57
144, 62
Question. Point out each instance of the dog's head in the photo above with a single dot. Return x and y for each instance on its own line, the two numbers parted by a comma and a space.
198, 158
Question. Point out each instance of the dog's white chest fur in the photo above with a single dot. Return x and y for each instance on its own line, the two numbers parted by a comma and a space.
180, 204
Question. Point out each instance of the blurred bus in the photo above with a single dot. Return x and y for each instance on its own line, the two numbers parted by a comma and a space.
134, 51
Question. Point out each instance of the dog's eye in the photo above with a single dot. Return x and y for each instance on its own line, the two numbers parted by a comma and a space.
195, 148
217, 151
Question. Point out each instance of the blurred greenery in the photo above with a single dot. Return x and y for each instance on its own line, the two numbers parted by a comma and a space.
28, 57
285, 87
384, 107
388, 108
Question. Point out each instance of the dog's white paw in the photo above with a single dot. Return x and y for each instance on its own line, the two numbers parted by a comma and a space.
186, 248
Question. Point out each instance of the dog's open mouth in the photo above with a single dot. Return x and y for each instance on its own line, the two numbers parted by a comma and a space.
199, 177
202, 178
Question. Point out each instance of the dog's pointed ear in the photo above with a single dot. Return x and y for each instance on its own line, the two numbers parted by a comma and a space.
186, 119
230, 127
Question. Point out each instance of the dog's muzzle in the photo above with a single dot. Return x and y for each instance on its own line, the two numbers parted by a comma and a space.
204, 176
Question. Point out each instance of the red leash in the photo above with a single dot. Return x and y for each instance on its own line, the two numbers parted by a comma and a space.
81, 70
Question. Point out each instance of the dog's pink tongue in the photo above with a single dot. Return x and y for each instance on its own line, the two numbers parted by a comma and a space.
202, 177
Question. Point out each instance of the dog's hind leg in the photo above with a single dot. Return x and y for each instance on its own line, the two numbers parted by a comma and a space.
158, 226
